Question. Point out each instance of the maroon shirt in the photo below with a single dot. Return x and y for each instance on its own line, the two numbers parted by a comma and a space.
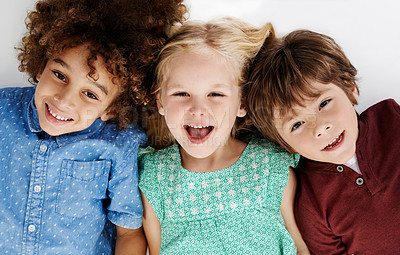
339, 211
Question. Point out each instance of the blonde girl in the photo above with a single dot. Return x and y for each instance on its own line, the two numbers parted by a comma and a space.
209, 192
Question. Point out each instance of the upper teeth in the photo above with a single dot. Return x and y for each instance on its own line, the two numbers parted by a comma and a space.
56, 116
334, 140
197, 126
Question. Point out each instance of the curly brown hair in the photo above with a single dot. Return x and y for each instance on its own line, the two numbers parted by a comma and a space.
127, 33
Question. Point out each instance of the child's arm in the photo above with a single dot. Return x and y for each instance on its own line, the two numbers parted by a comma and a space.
287, 210
130, 241
151, 226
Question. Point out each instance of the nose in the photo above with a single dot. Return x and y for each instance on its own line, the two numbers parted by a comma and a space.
321, 128
197, 107
66, 97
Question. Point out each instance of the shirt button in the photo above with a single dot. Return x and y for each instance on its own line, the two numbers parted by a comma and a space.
43, 148
360, 181
31, 228
339, 169
37, 188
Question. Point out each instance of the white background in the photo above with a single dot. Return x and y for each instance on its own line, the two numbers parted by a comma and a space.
367, 30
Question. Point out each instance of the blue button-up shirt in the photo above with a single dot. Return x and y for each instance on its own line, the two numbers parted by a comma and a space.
56, 193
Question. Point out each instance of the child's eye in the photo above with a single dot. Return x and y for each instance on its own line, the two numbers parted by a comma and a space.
297, 125
60, 76
216, 94
180, 94
90, 95
324, 103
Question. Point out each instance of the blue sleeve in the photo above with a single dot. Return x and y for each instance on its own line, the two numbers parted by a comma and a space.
125, 208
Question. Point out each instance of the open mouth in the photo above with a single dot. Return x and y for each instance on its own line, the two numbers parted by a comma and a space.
57, 116
198, 133
335, 142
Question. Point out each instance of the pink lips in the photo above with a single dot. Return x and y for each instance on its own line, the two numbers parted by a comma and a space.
198, 134
337, 141
54, 117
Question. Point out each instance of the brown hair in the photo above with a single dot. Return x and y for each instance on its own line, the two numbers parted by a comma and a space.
237, 41
126, 33
281, 75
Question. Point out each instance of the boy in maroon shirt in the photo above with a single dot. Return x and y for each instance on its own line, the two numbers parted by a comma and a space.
301, 95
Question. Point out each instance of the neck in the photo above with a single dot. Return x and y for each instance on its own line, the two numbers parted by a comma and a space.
223, 158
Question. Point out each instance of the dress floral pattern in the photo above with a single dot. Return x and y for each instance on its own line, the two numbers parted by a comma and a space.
230, 211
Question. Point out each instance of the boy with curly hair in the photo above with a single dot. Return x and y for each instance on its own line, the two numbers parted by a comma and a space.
301, 96
67, 145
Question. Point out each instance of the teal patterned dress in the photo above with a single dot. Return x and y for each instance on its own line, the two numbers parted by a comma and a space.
230, 211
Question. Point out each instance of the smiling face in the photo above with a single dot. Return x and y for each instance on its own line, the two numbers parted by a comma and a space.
67, 99
200, 101
325, 129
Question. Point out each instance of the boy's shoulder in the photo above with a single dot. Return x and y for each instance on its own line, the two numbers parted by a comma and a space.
388, 106
132, 135
17, 93
380, 116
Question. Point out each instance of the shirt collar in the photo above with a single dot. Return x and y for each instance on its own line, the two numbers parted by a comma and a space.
34, 127
33, 117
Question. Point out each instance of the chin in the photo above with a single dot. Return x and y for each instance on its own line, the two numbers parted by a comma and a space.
53, 133
196, 153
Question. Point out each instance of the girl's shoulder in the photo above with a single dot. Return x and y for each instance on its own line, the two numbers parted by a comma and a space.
155, 155
268, 151
265, 146
155, 161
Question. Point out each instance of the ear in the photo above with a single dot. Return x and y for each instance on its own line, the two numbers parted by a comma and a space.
159, 105
355, 93
242, 110
38, 76
106, 116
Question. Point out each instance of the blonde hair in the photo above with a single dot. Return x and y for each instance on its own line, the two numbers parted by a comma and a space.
237, 41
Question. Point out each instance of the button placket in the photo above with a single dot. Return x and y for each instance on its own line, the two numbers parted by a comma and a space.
36, 196
37, 188
43, 148
31, 228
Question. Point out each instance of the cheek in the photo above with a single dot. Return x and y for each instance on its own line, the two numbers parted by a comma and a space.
91, 112
173, 116
40, 88
281, 131
44, 88
299, 142
39, 93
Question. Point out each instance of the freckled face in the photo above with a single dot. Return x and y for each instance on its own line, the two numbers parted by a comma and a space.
200, 102
325, 129
67, 99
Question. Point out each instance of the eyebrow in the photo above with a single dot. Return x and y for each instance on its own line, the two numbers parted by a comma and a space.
98, 85
179, 86
289, 116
